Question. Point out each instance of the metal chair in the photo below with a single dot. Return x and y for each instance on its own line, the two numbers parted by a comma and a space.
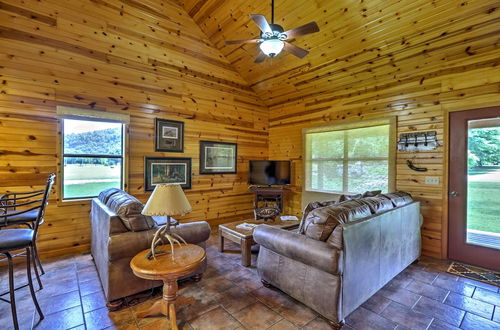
12, 240
12, 216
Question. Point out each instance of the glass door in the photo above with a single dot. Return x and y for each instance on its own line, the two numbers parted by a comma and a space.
474, 187
483, 183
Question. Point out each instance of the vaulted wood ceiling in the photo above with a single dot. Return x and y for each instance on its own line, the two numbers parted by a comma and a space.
415, 60
360, 41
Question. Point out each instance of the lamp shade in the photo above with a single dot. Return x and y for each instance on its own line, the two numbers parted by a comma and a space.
167, 199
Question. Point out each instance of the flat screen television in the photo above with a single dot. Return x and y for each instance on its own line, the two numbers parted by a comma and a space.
269, 172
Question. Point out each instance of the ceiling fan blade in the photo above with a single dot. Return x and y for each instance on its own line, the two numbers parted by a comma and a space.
249, 41
260, 58
297, 51
308, 28
262, 23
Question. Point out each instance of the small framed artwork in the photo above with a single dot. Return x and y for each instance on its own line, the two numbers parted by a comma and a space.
167, 170
169, 135
218, 157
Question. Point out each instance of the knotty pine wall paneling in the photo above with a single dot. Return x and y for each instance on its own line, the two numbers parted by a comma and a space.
147, 59
414, 59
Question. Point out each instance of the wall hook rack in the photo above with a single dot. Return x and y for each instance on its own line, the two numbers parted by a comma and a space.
419, 141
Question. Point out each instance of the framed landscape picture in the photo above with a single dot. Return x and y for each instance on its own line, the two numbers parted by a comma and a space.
169, 135
217, 157
167, 170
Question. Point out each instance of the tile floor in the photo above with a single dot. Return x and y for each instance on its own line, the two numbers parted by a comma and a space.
230, 296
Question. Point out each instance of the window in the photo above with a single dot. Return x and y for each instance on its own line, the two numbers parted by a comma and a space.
348, 161
93, 157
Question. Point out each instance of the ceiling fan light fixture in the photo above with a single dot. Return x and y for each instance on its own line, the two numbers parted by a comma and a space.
272, 47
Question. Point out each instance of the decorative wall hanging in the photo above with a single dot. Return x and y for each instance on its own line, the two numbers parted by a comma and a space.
166, 170
411, 166
169, 135
217, 157
419, 141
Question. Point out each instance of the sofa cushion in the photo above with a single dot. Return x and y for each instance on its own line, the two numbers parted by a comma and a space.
371, 193
368, 193
312, 206
106, 194
321, 222
399, 198
357, 210
350, 197
378, 204
128, 208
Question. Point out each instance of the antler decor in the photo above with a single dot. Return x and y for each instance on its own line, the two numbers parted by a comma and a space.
166, 200
160, 235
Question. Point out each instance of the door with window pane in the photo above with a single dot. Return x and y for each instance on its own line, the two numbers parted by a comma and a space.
92, 157
474, 187
348, 161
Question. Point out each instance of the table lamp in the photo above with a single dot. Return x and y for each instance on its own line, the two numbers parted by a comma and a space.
166, 200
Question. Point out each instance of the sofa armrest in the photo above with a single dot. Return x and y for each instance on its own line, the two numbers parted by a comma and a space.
298, 247
127, 245
193, 232
104, 220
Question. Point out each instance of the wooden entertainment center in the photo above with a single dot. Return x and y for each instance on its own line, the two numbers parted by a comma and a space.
267, 195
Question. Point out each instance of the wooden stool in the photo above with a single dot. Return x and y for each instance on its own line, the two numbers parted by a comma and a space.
188, 258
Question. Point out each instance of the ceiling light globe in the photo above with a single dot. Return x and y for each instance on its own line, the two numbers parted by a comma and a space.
272, 47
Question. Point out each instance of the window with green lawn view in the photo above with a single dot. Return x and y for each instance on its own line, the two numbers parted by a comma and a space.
93, 159
348, 161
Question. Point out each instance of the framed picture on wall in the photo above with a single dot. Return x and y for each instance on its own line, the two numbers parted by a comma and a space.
167, 170
218, 157
169, 135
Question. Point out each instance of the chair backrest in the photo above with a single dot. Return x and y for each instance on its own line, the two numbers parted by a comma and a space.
27, 201
45, 201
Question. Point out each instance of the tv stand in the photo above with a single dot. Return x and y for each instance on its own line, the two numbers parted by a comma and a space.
268, 196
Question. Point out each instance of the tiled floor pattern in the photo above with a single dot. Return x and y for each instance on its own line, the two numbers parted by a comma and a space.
231, 296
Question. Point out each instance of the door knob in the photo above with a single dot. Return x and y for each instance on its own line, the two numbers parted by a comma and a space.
453, 194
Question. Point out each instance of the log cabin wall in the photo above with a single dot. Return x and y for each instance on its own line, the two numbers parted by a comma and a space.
414, 59
147, 59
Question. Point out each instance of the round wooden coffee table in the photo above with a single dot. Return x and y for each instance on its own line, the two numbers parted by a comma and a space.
188, 258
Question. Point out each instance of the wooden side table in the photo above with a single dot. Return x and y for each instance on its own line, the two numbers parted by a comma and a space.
188, 258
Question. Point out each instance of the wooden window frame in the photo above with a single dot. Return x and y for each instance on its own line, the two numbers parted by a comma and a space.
89, 115
391, 158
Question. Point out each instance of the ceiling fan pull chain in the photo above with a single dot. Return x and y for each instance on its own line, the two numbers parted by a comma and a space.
272, 11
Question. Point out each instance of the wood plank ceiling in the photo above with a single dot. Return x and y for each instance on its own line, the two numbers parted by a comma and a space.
362, 41
414, 59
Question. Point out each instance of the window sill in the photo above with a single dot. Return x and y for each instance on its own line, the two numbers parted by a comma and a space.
327, 192
74, 202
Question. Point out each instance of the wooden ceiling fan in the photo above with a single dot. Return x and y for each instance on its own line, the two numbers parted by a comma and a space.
273, 37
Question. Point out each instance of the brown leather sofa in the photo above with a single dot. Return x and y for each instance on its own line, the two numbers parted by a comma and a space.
342, 253
120, 231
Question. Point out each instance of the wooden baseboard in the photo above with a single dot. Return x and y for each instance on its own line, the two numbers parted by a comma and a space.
71, 251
